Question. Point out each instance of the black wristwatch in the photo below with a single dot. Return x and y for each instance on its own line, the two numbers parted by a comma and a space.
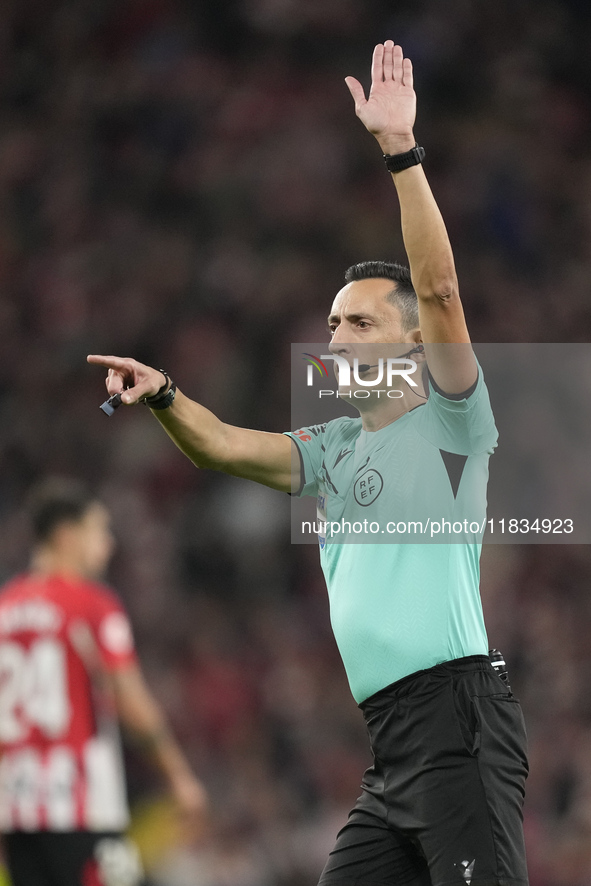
163, 398
398, 162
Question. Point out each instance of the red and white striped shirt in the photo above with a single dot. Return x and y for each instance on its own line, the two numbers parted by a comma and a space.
61, 766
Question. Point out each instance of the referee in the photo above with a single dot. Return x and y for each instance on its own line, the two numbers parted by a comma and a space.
442, 803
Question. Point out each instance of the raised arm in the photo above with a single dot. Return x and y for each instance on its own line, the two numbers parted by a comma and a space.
207, 441
389, 114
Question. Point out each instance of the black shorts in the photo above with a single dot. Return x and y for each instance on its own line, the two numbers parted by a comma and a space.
72, 858
442, 804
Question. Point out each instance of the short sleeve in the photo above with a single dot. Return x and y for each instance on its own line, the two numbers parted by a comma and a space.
113, 632
465, 427
310, 446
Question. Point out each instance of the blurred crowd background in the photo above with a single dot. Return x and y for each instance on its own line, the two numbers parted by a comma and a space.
185, 182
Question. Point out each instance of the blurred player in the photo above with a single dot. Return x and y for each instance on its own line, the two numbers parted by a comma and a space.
442, 805
68, 670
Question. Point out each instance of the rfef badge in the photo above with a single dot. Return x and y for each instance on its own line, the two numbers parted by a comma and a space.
368, 487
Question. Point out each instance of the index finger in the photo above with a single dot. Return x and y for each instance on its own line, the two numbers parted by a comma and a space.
117, 363
407, 72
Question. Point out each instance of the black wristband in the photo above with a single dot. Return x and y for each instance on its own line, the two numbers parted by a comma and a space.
163, 398
398, 162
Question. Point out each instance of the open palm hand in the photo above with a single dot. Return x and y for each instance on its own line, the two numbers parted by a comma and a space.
389, 112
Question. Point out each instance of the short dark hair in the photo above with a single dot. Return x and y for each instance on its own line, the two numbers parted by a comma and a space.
56, 501
402, 296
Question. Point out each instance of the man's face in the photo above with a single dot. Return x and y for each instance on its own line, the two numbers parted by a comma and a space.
361, 314
90, 540
361, 318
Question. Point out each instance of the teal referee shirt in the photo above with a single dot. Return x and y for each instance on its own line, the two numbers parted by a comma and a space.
398, 607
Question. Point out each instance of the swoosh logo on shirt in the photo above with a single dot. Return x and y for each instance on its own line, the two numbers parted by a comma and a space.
341, 455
